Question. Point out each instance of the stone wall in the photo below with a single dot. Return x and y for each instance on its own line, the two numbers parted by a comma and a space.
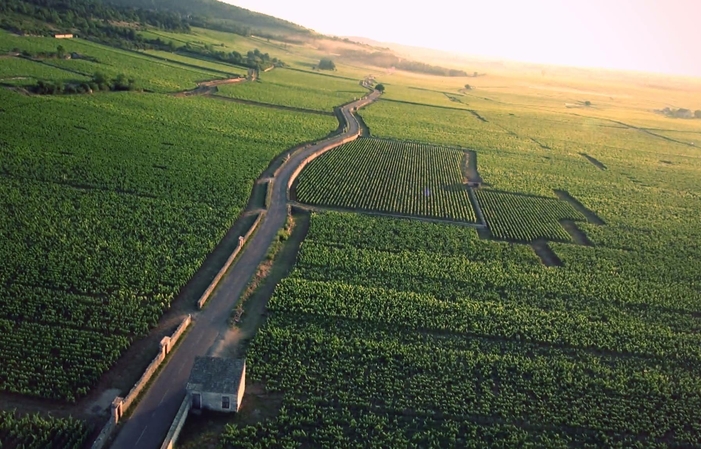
121, 405
178, 424
242, 241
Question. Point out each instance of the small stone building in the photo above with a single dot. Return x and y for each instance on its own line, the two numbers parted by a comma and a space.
217, 384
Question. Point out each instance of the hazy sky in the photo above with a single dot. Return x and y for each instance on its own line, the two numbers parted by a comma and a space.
648, 35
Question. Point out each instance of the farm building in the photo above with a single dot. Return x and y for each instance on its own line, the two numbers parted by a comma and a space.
63, 36
217, 384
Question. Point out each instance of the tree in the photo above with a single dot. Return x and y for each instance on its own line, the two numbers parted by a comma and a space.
380, 87
468, 87
60, 52
697, 113
587, 103
327, 64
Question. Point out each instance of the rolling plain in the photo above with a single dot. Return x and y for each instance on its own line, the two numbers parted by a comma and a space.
511, 265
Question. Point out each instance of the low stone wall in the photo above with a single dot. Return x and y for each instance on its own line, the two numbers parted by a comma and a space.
311, 157
269, 192
121, 405
178, 423
242, 241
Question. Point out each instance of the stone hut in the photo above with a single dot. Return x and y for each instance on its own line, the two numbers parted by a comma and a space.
217, 384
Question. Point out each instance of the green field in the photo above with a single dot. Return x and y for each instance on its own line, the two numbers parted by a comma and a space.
297, 89
399, 340
149, 72
392, 177
116, 200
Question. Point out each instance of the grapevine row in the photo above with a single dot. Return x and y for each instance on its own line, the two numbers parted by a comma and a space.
387, 176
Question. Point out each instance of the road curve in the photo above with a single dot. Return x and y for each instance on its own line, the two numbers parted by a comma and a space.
151, 418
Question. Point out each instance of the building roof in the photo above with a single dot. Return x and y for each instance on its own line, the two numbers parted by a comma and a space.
216, 375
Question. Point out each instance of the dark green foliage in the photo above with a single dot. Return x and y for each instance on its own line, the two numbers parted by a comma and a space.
254, 59
89, 17
380, 87
221, 16
99, 81
327, 64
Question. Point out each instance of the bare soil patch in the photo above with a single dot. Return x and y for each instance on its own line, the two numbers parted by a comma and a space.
598, 164
579, 236
469, 168
546, 254
591, 216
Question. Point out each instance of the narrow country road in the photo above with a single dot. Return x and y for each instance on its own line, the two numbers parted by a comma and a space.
152, 417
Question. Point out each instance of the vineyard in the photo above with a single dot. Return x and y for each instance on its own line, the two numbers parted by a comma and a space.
36, 432
111, 204
526, 218
151, 73
392, 177
297, 89
383, 336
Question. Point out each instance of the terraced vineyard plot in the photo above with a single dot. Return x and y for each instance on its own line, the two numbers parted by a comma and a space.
392, 177
526, 218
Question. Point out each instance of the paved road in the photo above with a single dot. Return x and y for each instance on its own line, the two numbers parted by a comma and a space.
152, 417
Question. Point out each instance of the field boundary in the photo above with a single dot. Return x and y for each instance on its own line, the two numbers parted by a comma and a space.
470, 171
592, 217
477, 208
413, 103
598, 164
222, 271
311, 208
545, 253
579, 236
267, 105
121, 405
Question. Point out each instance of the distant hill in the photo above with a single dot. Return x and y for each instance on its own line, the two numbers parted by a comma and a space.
223, 16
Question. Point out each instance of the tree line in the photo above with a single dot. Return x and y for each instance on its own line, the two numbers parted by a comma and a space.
98, 82
388, 60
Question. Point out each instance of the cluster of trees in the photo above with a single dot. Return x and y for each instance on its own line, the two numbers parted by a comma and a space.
254, 59
101, 21
679, 113
327, 64
99, 82
387, 59
90, 18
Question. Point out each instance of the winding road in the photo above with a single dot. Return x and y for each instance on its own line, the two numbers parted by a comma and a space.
151, 418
